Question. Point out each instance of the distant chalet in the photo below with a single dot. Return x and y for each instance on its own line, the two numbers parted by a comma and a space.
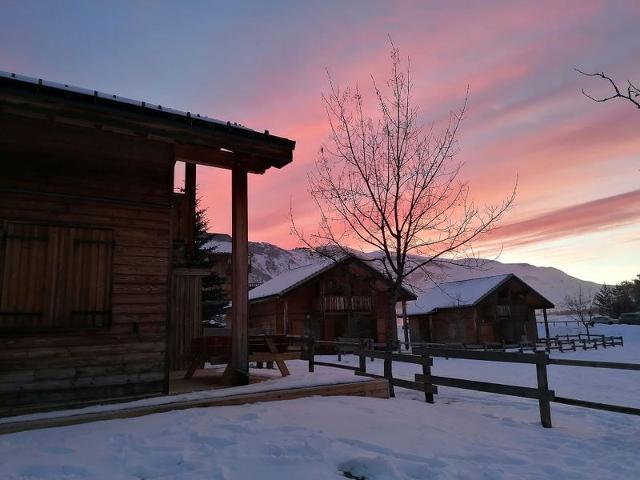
97, 297
327, 300
491, 309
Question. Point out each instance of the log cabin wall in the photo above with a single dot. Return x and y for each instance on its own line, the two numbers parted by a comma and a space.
116, 191
506, 315
303, 312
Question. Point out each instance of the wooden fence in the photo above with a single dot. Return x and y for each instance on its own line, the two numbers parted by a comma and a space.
559, 342
428, 383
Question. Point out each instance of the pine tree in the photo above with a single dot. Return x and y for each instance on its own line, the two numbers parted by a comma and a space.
604, 301
213, 297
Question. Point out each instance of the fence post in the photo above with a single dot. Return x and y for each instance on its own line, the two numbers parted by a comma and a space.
542, 359
361, 357
426, 370
311, 354
388, 373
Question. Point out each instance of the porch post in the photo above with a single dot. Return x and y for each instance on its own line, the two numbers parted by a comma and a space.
190, 193
546, 323
405, 324
240, 276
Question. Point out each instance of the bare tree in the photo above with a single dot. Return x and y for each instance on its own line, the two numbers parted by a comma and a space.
580, 307
630, 93
391, 187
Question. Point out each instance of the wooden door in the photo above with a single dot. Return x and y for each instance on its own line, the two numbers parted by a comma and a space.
185, 315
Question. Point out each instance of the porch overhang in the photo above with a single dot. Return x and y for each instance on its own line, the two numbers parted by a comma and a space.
196, 139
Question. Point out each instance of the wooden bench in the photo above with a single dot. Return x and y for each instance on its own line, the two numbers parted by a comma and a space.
262, 348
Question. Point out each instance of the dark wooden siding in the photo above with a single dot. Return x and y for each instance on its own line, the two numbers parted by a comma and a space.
186, 316
304, 311
76, 178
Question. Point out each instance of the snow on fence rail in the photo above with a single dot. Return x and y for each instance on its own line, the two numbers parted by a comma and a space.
428, 383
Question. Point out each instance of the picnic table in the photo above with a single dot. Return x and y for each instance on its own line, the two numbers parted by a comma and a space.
215, 347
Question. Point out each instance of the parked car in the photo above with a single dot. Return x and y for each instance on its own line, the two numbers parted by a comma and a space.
603, 319
631, 318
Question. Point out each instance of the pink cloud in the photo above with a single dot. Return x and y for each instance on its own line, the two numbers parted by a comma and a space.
583, 218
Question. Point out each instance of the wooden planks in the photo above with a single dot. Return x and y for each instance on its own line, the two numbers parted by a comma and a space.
106, 218
186, 315
372, 388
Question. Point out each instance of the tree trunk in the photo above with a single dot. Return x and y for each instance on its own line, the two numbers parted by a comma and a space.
391, 336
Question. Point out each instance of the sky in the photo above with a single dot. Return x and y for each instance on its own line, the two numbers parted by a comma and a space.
264, 64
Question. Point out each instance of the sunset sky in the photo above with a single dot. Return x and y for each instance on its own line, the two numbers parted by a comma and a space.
263, 64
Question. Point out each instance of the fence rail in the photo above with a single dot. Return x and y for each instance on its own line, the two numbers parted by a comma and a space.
428, 383
559, 342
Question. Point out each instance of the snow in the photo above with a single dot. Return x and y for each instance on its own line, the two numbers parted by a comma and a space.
219, 247
289, 279
463, 293
269, 261
463, 435
117, 98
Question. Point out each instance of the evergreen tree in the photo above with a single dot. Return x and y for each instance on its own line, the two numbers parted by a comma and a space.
214, 299
621, 298
604, 301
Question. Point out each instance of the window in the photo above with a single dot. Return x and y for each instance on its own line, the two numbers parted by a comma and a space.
54, 278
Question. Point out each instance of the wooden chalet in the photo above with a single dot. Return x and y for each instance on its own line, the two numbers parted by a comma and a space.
496, 309
325, 300
94, 304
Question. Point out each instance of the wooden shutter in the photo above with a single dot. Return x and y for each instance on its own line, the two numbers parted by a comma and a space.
23, 270
89, 301
55, 278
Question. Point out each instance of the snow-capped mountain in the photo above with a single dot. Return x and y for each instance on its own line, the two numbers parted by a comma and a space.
270, 260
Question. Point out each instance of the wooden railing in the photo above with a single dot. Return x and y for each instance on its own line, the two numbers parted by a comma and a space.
342, 303
428, 383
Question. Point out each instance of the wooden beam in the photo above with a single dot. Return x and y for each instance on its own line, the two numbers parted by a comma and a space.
190, 192
204, 155
546, 323
270, 150
239, 367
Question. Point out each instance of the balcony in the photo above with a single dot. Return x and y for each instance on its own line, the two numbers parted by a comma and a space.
343, 303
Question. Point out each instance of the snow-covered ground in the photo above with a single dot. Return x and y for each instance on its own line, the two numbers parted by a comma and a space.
463, 435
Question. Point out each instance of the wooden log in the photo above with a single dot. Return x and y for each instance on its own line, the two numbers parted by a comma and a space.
240, 277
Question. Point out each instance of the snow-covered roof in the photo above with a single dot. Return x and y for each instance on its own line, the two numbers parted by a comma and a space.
220, 247
464, 293
115, 98
290, 279
286, 281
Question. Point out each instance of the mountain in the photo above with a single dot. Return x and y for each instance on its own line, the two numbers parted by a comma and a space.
270, 260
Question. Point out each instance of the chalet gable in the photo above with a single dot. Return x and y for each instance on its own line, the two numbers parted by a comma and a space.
284, 283
465, 294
